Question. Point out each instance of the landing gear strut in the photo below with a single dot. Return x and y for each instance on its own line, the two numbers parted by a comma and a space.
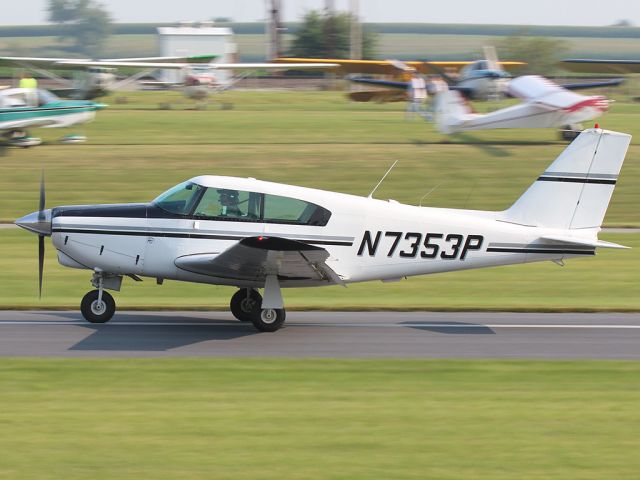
268, 314
98, 306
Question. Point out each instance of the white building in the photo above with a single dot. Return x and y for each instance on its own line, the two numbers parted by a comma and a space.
188, 40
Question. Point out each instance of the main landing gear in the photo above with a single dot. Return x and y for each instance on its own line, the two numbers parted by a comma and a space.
571, 132
247, 305
268, 314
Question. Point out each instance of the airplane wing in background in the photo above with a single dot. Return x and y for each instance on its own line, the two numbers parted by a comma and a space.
592, 65
390, 67
253, 258
74, 63
614, 82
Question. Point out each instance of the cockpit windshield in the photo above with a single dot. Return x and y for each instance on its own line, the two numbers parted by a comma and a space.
180, 199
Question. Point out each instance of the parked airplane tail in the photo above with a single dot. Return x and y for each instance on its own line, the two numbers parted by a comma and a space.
451, 109
574, 192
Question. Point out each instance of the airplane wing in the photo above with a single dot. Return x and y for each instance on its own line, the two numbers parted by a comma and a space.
73, 63
614, 82
592, 65
190, 60
401, 85
389, 67
253, 258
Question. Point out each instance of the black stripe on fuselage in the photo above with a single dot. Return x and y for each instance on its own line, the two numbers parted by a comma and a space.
600, 181
199, 236
566, 251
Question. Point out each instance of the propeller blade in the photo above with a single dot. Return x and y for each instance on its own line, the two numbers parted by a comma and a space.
42, 198
40, 263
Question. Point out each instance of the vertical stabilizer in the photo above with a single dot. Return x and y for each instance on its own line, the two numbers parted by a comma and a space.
451, 110
574, 192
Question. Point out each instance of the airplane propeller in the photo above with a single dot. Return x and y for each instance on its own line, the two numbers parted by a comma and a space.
41, 218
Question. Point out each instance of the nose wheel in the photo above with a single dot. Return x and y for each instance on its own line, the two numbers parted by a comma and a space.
97, 308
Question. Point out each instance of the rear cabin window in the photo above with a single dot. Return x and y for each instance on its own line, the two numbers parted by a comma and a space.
240, 206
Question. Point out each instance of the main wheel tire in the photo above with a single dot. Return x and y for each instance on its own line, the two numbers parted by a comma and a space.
95, 312
269, 319
245, 308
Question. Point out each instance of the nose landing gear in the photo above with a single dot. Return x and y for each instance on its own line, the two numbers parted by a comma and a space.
98, 306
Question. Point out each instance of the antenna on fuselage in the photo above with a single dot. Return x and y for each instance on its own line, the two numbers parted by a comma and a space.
429, 192
382, 180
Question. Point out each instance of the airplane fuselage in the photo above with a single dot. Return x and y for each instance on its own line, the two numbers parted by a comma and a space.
367, 239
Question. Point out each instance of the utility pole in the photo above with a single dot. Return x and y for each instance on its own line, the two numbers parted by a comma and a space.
273, 28
330, 29
356, 31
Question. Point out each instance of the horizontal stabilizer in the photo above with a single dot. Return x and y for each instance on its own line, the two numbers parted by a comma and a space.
584, 241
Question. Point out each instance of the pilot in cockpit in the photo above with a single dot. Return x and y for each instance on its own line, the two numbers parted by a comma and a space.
230, 203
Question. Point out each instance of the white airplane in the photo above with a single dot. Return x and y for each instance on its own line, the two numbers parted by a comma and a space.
544, 105
100, 78
253, 234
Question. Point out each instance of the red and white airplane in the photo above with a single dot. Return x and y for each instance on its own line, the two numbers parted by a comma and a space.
544, 105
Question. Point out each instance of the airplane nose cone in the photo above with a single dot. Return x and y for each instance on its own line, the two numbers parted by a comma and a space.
36, 222
100, 106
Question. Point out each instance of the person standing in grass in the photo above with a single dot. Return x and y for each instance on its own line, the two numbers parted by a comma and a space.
417, 96
31, 85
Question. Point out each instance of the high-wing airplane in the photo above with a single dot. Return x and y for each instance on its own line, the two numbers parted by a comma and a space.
25, 108
100, 78
544, 105
253, 234
481, 80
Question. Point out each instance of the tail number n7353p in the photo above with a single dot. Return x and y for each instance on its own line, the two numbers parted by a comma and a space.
451, 246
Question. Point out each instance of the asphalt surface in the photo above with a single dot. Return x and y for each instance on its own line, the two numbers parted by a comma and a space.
325, 334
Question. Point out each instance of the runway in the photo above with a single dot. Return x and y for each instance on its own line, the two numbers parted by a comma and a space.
325, 335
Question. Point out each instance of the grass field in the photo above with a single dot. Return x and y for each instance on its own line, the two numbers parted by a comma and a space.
314, 139
324, 419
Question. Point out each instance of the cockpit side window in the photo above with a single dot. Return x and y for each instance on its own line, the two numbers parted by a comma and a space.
180, 199
224, 204
228, 204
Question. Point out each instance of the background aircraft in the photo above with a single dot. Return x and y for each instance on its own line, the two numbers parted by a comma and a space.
475, 78
22, 109
99, 76
480, 80
96, 78
544, 105
252, 234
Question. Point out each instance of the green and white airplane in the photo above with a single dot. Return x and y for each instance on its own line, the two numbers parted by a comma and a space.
25, 108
